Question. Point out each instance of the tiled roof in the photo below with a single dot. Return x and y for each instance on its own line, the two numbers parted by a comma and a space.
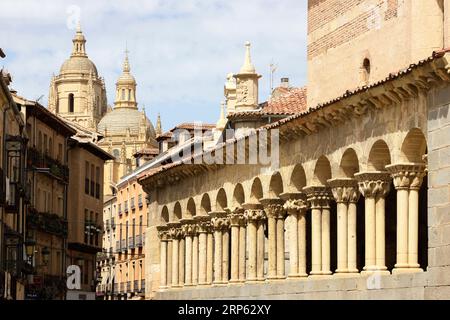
146, 151
287, 102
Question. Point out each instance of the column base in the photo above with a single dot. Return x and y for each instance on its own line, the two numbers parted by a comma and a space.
346, 274
220, 284
321, 276
252, 281
407, 270
297, 276
377, 272
164, 288
188, 285
234, 281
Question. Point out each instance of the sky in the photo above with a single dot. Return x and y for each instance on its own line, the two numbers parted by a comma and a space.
180, 51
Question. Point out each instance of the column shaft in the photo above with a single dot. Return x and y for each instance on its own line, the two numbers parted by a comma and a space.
217, 256
402, 228
234, 253
209, 258
195, 260
380, 234
260, 251
181, 262
252, 256
342, 238
175, 264
413, 229
370, 233
293, 246
272, 226
242, 252
163, 262
225, 255
352, 244
169, 263
302, 244
316, 241
202, 258
281, 272
326, 238
188, 263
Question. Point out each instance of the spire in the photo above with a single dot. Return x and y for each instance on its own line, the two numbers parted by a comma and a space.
222, 123
158, 125
79, 43
126, 63
248, 67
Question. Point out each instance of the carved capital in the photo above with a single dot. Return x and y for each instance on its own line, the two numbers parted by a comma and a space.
220, 221
236, 216
188, 227
254, 215
318, 196
203, 224
374, 184
407, 176
344, 190
163, 232
274, 208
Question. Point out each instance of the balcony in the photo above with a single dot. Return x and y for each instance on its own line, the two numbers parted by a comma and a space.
13, 194
107, 225
142, 285
129, 286
136, 286
131, 243
123, 246
126, 207
47, 222
118, 249
132, 205
138, 241
140, 203
113, 223
39, 160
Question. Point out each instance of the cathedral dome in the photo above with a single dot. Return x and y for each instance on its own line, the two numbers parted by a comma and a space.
119, 120
79, 65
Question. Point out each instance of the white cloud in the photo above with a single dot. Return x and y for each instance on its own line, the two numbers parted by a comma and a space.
180, 51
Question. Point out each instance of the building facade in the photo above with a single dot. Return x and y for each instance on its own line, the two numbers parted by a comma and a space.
355, 207
47, 185
14, 200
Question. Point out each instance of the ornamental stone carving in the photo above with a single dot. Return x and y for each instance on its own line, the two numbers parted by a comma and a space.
344, 190
220, 221
203, 224
188, 227
407, 176
163, 233
254, 215
236, 217
373, 184
318, 196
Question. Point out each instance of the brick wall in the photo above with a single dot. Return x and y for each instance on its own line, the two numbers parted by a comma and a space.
323, 12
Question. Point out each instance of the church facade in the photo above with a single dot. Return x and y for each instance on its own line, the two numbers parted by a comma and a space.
358, 204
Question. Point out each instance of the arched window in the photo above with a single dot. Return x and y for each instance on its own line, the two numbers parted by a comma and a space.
366, 66
129, 94
123, 94
71, 103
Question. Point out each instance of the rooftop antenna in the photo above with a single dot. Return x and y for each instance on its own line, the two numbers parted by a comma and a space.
273, 67
38, 99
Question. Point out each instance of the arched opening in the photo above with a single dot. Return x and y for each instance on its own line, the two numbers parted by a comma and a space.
238, 195
322, 172
349, 164
71, 103
414, 147
165, 215
177, 211
298, 179
379, 157
205, 207
276, 185
221, 200
256, 192
190, 209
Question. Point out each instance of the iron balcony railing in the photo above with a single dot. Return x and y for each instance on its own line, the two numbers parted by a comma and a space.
131, 242
113, 223
40, 160
140, 203
118, 246
138, 241
136, 286
143, 285
129, 286
107, 225
132, 205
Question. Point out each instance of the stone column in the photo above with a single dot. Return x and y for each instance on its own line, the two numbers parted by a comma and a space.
169, 259
374, 186
319, 197
209, 256
408, 179
346, 194
204, 225
175, 234
235, 216
181, 259
195, 255
163, 236
225, 253
188, 226
219, 223
253, 214
242, 248
296, 207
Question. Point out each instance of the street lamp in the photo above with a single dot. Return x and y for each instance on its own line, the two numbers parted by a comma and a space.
29, 248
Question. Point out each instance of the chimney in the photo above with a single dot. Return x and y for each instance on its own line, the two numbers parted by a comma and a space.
285, 83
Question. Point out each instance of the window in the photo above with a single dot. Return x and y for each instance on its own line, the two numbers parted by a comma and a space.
129, 94
40, 141
134, 228
92, 180
60, 152
126, 231
123, 94
45, 144
71, 103
86, 223
97, 182
365, 71
50, 147
86, 177
140, 225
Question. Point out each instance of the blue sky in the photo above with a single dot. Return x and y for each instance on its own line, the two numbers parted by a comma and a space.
180, 50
